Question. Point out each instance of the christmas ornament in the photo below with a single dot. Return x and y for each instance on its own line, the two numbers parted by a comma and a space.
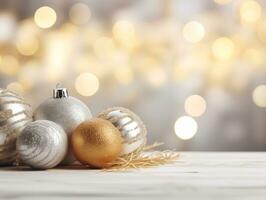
96, 142
64, 110
130, 126
15, 113
42, 144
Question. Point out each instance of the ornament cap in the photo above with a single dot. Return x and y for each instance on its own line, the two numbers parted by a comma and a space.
60, 92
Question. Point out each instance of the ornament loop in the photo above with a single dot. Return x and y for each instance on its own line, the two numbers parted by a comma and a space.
60, 92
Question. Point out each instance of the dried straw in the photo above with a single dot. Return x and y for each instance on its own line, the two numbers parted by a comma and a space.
145, 159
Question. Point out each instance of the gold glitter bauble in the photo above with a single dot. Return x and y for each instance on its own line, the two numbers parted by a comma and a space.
96, 142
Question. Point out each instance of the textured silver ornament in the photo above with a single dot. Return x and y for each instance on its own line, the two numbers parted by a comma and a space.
15, 114
66, 111
42, 144
130, 125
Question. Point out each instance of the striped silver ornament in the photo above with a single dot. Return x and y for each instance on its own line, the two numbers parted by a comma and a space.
15, 114
42, 144
132, 129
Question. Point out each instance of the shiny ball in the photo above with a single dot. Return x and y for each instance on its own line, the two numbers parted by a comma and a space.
68, 112
15, 114
132, 129
96, 143
42, 144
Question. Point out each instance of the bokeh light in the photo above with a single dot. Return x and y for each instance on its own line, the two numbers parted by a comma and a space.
254, 56
208, 51
250, 11
7, 20
156, 77
123, 29
222, 2
181, 73
259, 96
27, 45
103, 46
87, 84
31, 70
185, 127
223, 48
195, 105
9, 65
57, 51
79, 14
193, 32
124, 75
45, 17
27, 41
124, 32
261, 31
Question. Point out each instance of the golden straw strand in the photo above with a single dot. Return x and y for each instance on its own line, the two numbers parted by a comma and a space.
137, 160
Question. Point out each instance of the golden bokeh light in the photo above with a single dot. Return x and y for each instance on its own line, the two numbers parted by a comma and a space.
8, 26
31, 70
220, 48
88, 63
261, 31
123, 29
156, 77
87, 84
56, 54
222, 2
16, 87
259, 96
45, 17
193, 32
124, 75
103, 46
180, 73
185, 127
124, 32
223, 48
219, 74
27, 41
144, 63
27, 46
82, 64
250, 11
79, 14
27, 29
9, 65
195, 105
254, 57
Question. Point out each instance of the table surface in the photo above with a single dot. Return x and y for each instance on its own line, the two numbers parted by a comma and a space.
196, 175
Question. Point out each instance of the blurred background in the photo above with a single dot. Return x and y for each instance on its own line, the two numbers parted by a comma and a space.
195, 71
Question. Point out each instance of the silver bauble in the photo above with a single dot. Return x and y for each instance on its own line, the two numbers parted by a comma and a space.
15, 114
42, 144
132, 129
66, 111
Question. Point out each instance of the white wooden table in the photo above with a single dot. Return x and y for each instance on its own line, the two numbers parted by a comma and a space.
193, 176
